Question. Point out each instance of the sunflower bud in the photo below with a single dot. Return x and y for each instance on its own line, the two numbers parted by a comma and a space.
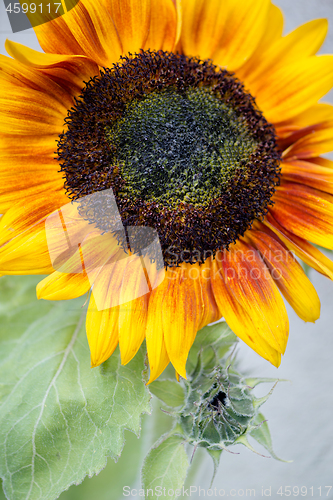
220, 408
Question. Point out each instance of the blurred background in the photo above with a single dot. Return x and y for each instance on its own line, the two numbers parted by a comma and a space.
299, 413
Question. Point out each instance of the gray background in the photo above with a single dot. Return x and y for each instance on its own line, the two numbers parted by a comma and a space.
300, 412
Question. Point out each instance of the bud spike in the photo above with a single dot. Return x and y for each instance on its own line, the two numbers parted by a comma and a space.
243, 440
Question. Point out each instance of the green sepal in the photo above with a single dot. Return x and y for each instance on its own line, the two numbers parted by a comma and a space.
169, 392
262, 435
216, 456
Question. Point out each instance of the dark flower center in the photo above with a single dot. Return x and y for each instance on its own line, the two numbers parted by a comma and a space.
183, 147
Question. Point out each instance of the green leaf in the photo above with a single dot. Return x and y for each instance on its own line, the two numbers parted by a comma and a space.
168, 391
60, 419
262, 435
166, 467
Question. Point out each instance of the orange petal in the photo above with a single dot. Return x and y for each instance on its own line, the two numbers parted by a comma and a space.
307, 173
288, 275
317, 141
305, 212
88, 29
131, 19
304, 250
102, 332
16, 186
163, 26
203, 22
68, 71
27, 112
244, 28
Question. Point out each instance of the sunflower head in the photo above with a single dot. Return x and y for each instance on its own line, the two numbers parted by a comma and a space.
224, 165
183, 147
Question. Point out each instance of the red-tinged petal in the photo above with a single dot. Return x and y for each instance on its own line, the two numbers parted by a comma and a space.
309, 174
305, 212
42, 185
312, 145
324, 162
287, 274
304, 250
211, 312
102, 332
29, 112
249, 281
181, 314
315, 115
239, 319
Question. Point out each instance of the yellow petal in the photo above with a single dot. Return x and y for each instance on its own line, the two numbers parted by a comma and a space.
303, 42
157, 354
181, 314
292, 89
272, 33
88, 29
132, 313
102, 332
244, 28
61, 286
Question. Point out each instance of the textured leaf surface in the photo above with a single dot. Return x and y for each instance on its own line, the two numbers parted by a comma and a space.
165, 467
59, 419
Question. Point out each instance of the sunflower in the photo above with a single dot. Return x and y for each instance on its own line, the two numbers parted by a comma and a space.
204, 123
